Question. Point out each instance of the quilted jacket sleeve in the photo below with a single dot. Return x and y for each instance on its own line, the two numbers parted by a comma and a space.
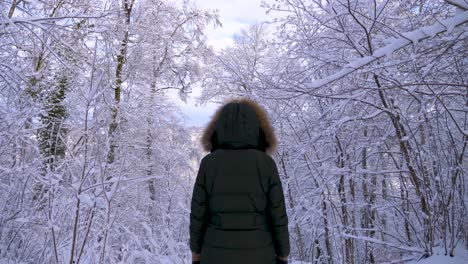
199, 211
276, 212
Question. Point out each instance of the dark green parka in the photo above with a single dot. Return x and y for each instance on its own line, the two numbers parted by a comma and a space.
238, 213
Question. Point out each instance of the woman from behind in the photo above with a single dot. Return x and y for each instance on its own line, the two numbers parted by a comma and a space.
238, 212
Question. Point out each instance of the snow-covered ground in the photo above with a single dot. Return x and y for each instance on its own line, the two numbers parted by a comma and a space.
461, 257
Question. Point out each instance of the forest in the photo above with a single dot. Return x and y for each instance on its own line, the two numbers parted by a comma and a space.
368, 98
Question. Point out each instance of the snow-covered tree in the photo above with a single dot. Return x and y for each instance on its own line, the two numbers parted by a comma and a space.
88, 124
369, 100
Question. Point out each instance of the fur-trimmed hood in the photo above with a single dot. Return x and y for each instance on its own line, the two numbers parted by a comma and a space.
237, 124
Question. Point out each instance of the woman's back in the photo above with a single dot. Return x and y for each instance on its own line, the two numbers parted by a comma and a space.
238, 213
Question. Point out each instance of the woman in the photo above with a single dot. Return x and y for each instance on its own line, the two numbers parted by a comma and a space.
238, 213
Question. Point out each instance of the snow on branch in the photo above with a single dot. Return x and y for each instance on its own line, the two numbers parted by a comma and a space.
383, 243
47, 20
462, 4
395, 44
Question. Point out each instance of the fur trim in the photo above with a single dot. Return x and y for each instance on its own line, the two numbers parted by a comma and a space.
265, 125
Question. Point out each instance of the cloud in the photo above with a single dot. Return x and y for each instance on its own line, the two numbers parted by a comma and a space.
234, 16
235, 10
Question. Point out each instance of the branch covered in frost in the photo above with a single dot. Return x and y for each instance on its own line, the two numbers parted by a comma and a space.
395, 44
46, 20
462, 4
376, 241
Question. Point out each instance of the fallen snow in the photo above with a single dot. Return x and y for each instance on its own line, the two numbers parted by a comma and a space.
441, 259
461, 257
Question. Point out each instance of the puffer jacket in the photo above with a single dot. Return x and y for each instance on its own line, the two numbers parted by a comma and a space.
238, 212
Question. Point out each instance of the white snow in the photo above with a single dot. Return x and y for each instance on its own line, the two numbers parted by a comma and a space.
396, 44
405, 138
459, 3
461, 257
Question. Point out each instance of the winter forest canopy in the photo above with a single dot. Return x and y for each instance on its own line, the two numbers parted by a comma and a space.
369, 99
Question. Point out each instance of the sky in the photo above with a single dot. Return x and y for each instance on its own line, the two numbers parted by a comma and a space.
235, 15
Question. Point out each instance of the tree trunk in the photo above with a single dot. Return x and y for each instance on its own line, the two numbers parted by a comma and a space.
297, 228
349, 243
121, 60
405, 148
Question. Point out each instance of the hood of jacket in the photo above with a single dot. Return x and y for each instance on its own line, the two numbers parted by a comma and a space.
239, 124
